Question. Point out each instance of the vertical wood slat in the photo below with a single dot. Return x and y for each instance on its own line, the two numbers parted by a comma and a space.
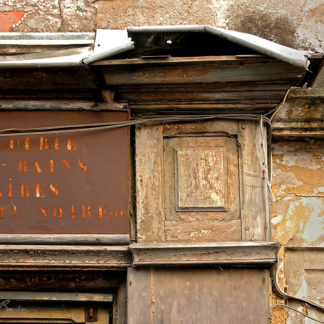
253, 172
149, 184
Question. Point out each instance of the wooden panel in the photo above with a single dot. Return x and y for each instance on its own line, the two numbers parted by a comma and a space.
149, 184
243, 180
242, 69
254, 178
200, 178
200, 296
201, 191
63, 183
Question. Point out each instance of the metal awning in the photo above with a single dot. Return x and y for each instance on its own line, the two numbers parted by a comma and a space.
103, 44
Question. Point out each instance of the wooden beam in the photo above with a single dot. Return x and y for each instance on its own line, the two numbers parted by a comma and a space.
63, 257
231, 253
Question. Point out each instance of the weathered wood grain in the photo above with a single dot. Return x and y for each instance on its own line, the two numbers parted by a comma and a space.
24, 257
200, 296
231, 253
149, 184
254, 170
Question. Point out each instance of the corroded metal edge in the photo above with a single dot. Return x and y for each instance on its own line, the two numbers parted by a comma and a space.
233, 253
24, 257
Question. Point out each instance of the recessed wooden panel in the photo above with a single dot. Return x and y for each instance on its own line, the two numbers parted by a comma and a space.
201, 191
200, 178
228, 157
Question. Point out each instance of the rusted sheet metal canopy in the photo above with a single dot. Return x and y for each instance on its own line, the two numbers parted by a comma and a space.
110, 43
64, 183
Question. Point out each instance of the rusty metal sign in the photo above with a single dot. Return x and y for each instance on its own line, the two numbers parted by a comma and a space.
64, 183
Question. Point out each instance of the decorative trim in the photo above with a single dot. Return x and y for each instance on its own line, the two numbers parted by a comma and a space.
232, 253
69, 239
56, 296
44, 257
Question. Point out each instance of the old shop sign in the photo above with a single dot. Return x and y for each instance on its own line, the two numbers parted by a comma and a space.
64, 184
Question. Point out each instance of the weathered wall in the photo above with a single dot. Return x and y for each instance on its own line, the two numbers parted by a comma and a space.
298, 223
296, 23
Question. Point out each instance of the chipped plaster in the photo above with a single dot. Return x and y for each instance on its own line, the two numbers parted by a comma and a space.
296, 23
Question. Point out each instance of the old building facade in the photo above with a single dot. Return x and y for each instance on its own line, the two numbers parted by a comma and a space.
161, 175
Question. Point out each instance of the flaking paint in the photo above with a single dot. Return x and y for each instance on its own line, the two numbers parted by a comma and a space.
295, 23
297, 215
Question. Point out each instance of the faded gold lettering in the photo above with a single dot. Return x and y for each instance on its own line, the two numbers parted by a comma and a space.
66, 164
53, 189
39, 191
38, 169
70, 146
1, 211
24, 190
11, 144
73, 211
10, 190
82, 166
14, 213
22, 166
27, 144
101, 211
57, 144
59, 214
43, 211
41, 143
51, 166
46, 145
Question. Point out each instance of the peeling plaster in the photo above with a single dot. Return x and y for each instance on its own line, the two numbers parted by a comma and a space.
296, 23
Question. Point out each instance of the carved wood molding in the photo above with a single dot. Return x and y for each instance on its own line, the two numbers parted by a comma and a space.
231, 253
43, 257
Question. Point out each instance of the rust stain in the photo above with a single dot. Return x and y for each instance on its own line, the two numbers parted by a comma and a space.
10, 19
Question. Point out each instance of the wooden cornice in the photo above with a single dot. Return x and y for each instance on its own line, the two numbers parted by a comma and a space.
86, 257
229, 253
